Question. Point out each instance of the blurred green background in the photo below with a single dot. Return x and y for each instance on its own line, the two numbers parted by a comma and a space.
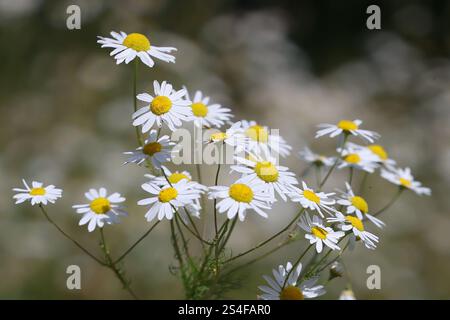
66, 109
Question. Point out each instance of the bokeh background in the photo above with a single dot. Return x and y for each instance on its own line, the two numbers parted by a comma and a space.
66, 108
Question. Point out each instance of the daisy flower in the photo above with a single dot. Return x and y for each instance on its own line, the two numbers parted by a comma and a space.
310, 157
349, 222
292, 290
233, 137
346, 127
167, 106
157, 150
361, 159
262, 142
165, 200
319, 234
274, 177
37, 194
240, 197
357, 205
101, 209
129, 46
404, 179
205, 114
311, 200
378, 151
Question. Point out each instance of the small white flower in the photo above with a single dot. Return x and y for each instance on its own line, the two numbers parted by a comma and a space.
240, 197
166, 200
101, 209
262, 142
356, 225
292, 290
347, 295
128, 47
346, 127
208, 115
167, 106
404, 179
274, 177
157, 150
233, 137
378, 151
37, 194
357, 205
314, 201
310, 157
361, 159
319, 234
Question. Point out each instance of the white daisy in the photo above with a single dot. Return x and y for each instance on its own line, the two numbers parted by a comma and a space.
157, 150
240, 197
310, 157
166, 200
262, 142
346, 127
274, 177
167, 106
233, 137
314, 201
319, 234
128, 47
404, 179
205, 114
37, 194
280, 289
361, 159
378, 151
357, 205
356, 225
101, 209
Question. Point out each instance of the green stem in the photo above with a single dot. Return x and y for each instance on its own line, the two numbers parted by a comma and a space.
295, 265
135, 72
350, 175
216, 181
334, 164
390, 203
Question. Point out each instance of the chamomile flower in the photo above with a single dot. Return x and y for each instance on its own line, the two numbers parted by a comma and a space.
205, 114
262, 142
356, 225
37, 194
240, 197
357, 205
101, 209
157, 150
378, 151
129, 46
167, 106
347, 294
233, 137
319, 234
404, 179
274, 177
166, 200
309, 199
346, 127
280, 289
319, 160
361, 159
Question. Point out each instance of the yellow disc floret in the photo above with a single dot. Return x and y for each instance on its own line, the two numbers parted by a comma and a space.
360, 204
137, 42
266, 171
257, 133
167, 194
100, 205
405, 182
319, 232
160, 105
241, 192
291, 293
379, 151
177, 177
218, 136
151, 148
356, 223
37, 192
352, 158
311, 196
347, 125
199, 109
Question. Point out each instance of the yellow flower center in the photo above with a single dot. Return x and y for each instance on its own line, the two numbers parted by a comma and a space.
100, 205
151, 148
37, 192
177, 177
405, 182
347, 125
137, 42
311, 196
379, 151
360, 204
218, 136
167, 194
266, 171
319, 232
291, 293
199, 109
352, 158
356, 223
241, 192
257, 133
160, 105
